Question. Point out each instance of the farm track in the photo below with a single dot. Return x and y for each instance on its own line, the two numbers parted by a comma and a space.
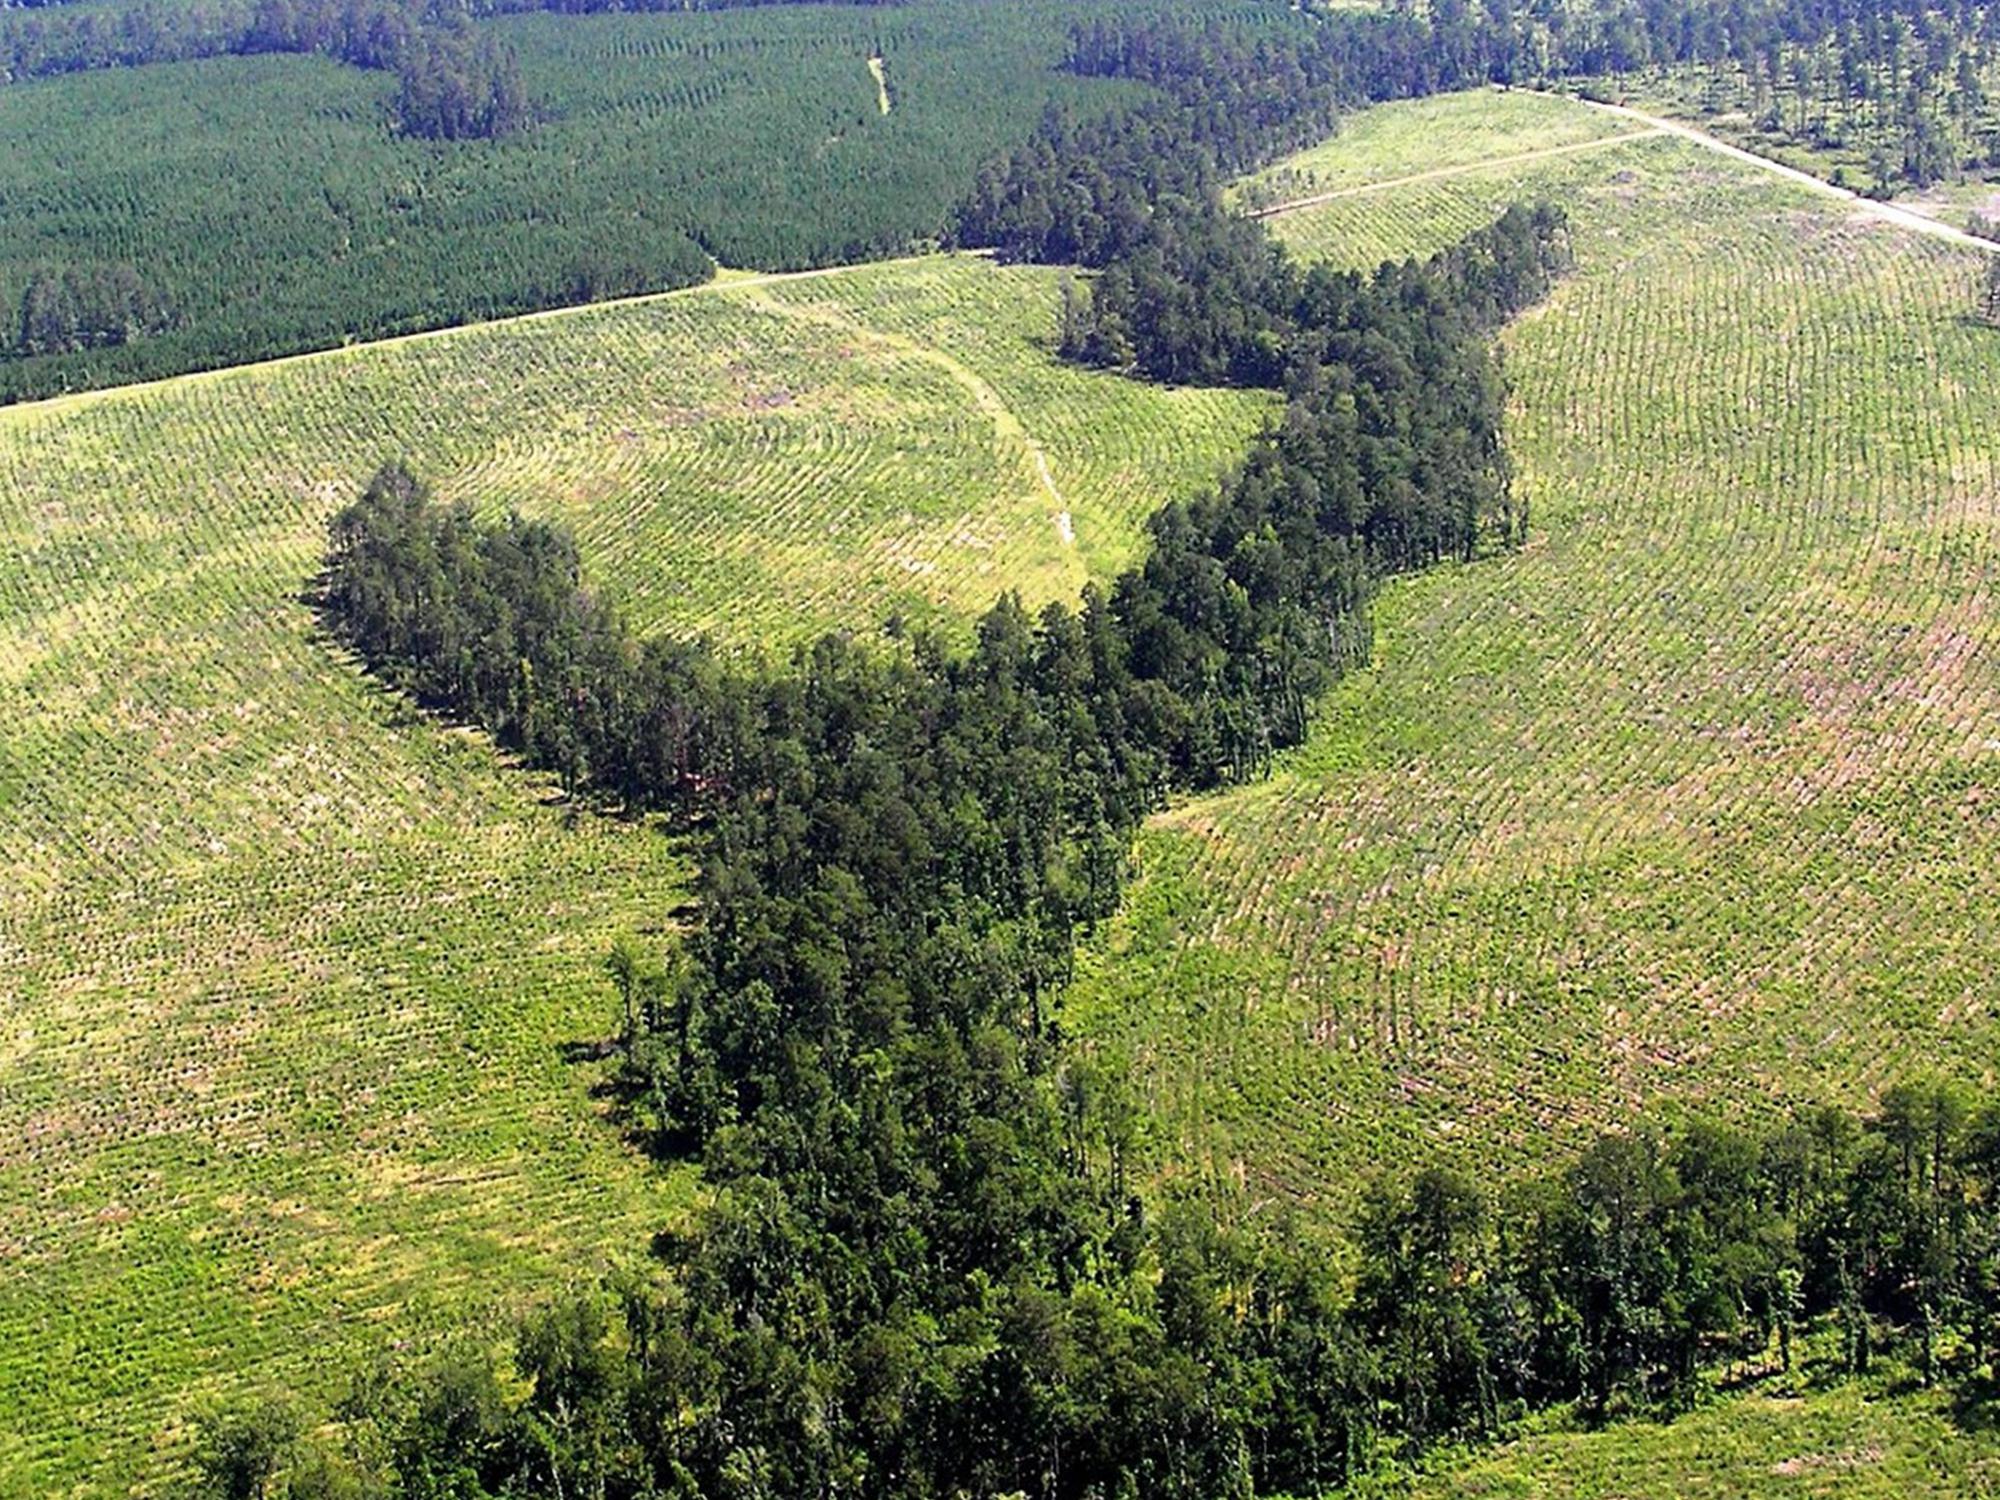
1888, 213
1008, 428
1438, 174
723, 281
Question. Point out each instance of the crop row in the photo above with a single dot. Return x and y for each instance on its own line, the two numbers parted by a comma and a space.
1690, 800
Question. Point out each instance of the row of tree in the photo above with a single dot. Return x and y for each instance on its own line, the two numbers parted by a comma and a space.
1198, 1358
922, 1269
453, 81
96, 307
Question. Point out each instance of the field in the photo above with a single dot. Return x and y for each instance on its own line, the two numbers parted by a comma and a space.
289, 968
1855, 1442
1690, 802
1431, 137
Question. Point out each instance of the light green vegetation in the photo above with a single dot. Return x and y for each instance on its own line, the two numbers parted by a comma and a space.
1692, 799
1852, 1441
288, 967
1440, 134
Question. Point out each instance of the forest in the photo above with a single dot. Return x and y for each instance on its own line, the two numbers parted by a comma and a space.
269, 201
925, 1265
921, 1224
901, 842
929, 1266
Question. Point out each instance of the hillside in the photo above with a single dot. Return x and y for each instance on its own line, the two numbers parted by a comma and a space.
292, 967
1689, 801
270, 204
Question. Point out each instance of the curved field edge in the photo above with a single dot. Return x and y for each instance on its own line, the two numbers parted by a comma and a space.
1693, 801
290, 968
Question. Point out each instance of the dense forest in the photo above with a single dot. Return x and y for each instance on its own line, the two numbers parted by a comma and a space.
634, 175
1200, 1357
922, 1228
267, 200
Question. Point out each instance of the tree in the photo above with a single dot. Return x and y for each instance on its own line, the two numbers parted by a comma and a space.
640, 979
239, 1456
1989, 297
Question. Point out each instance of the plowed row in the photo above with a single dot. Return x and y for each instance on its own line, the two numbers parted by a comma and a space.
1698, 797
287, 968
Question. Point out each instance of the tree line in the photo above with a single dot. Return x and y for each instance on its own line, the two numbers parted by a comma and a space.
923, 1268
1198, 1356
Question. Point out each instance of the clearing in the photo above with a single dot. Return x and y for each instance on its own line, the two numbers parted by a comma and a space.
1691, 800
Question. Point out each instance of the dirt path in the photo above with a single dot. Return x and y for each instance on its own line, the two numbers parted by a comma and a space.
881, 78
1888, 213
1007, 426
724, 281
1453, 171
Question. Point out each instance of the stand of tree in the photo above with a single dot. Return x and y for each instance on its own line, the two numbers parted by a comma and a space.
1184, 1355
922, 1267
923, 1270
63, 311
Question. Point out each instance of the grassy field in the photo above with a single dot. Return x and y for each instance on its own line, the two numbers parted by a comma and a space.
1693, 799
1444, 135
1855, 1442
288, 967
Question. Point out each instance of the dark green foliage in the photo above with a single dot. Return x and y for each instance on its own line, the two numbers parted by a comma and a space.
270, 200
1186, 1357
451, 83
102, 307
922, 1271
241, 1455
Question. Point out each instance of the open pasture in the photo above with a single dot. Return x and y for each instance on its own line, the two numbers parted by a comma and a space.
1439, 135
289, 968
1691, 800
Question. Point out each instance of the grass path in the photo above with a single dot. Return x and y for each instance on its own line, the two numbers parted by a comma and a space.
1457, 169
1888, 213
1008, 428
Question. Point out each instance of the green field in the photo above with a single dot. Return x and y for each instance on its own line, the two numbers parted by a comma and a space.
1442, 135
289, 966
1856, 1442
1691, 800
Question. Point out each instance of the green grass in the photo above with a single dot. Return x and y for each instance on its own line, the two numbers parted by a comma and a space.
1854, 1441
1442, 134
1690, 801
287, 965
